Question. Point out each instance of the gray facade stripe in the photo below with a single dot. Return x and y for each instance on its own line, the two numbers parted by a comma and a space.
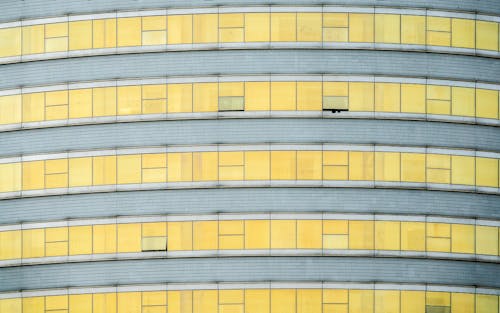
251, 200
247, 131
345, 269
242, 62
15, 10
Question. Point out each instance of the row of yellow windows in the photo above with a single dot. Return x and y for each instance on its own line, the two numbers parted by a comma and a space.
249, 96
249, 27
321, 300
249, 234
250, 165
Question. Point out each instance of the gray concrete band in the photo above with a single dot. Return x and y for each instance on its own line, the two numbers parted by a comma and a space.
251, 269
251, 200
242, 62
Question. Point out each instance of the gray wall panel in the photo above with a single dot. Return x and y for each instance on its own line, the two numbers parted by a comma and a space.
251, 269
338, 200
393, 63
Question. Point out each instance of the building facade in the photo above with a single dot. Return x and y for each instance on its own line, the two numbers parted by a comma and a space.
245, 156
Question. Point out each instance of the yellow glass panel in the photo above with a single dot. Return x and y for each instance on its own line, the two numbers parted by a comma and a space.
104, 170
486, 240
10, 180
463, 103
129, 169
10, 41
335, 241
386, 301
309, 165
438, 230
104, 33
104, 303
335, 227
205, 97
56, 234
309, 234
335, 172
10, 245
205, 166
283, 300
438, 31
361, 235
129, 31
33, 175
438, 244
180, 98
180, 301
180, 29
129, 302
231, 20
56, 44
157, 37
309, 27
412, 236
283, 234
438, 168
283, 165
10, 109
487, 172
387, 97
205, 235
412, 301
80, 172
361, 301
361, 97
80, 303
361, 165
283, 96
205, 28
335, 34
335, 157
231, 296
462, 170
154, 160
413, 29
309, 301
463, 33
205, 301
339, 89
361, 27
129, 237
387, 166
56, 248
33, 243
486, 103
283, 27
413, 98
257, 165
154, 99
335, 20
11, 305
335, 296
104, 238
486, 303
56, 166
257, 27
434, 298
438, 99
230, 34
230, 158
33, 107
309, 96
80, 35
257, 234
56, 30
257, 96
154, 298
387, 28
412, 167
80, 240
180, 235
231, 89
257, 301
228, 242
154, 229
56, 303
231, 173
80, 103
104, 101
486, 35
387, 235
462, 238
231, 227
129, 100
180, 166
154, 23
33, 39
34, 305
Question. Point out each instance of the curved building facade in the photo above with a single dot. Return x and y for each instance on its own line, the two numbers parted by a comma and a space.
241, 156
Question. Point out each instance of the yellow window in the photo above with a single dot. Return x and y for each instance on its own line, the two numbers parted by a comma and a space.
180, 301
205, 301
387, 28
231, 20
56, 103
257, 26
129, 302
309, 300
129, 31
80, 240
154, 99
283, 27
438, 168
462, 170
361, 165
257, 234
154, 30
361, 301
56, 44
231, 158
129, 100
283, 300
438, 99
13, 305
486, 240
104, 101
180, 166
257, 165
206, 98
361, 97
412, 236
205, 166
150, 23
257, 96
438, 31
486, 303
462, 238
361, 27
205, 28
486, 35
257, 300
309, 26
463, 101
387, 301
335, 20
438, 237
335, 165
56, 303
33, 39
231, 296
10, 41
387, 97
335, 27
336, 296
412, 167
129, 238
361, 235
104, 33
129, 169
80, 303
80, 103
309, 234
56, 241
154, 298
463, 33
10, 109
104, 170
154, 229
335, 234
180, 98
413, 29
230, 34
387, 235
387, 166
10, 180
80, 35
180, 29
104, 238
34, 305
486, 103
283, 96
10, 245
80, 172
487, 172
231, 227
283, 234
154, 168
33, 243
33, 175
309, 96
309, 165
438, 299
104, 302
205, 235
283, 165
438, 230
180, 236
412, 98
33, 107
412, 301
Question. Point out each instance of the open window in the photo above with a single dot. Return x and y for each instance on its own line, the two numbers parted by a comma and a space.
335, 104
